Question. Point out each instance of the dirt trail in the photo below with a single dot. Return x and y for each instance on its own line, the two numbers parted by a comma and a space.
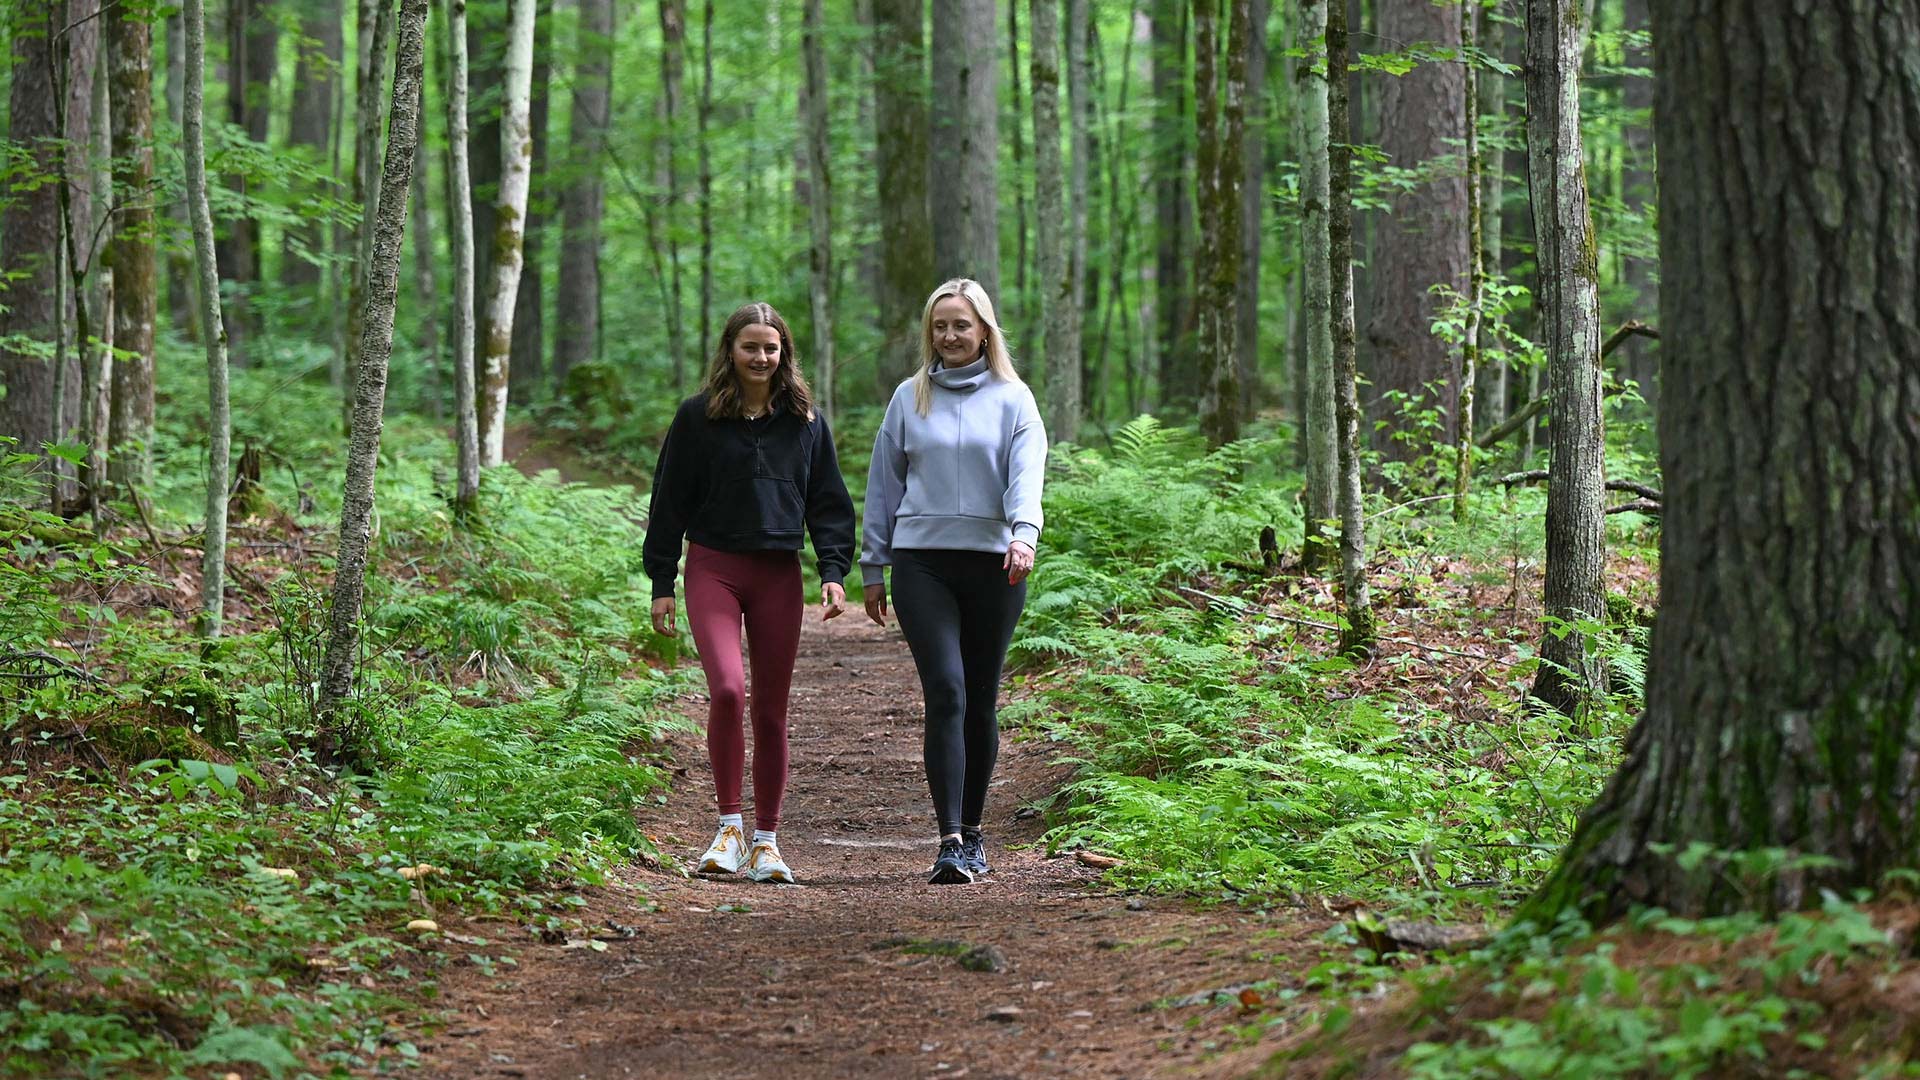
726, 978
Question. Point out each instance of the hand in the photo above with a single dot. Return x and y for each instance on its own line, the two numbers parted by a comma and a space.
1019, 562
877, 604
833, 598
663, 616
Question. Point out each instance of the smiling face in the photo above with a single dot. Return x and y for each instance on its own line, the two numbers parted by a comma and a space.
756, 358
957, 331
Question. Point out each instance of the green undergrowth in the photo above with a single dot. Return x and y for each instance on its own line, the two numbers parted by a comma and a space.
184, 890
1222, 752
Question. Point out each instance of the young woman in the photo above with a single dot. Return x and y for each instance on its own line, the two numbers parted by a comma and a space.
745, 468
953, 505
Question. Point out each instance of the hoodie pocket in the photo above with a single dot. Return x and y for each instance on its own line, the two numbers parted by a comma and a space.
756, 504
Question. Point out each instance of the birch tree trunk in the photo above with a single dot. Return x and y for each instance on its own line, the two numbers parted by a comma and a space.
964, 170
583, 201
1318, 424
1356, 602
510, 214
219, 420
374, 29
1783, 685
819, 206
526, 357
900, 119
1222, 114
1051, 265
339, 741
466, 432
1569, 304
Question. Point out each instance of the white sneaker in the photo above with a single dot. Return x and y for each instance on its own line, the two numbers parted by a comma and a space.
728, 853
765, 864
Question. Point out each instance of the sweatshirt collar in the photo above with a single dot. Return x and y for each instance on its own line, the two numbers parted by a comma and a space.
964, 379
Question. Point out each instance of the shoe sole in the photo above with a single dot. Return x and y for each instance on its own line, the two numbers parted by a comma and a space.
775, 877
712, 867
951, 874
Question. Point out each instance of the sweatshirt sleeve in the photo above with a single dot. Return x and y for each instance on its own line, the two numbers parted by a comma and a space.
886, 486
829, 509
1026, 468
671, 503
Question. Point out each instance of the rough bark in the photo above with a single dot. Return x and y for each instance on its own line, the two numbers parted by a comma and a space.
1318, 424
1222, 118
526, 362
1470, 331
1421, 242
375, 28
130, 249
583, 202
509, 219
316, 74
1783, 682
1253, 204
1058, 312
369, 397
219, 420
819, 206
1080, 154
1022, 252
1356, 601
466, 431
183, 308
900, 182
1642, 362
963, 167
1173, 207
1569, 303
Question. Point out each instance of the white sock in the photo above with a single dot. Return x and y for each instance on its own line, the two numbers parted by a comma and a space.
730, 819
763, 836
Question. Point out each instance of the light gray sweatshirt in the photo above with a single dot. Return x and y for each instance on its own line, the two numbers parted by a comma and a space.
967, 475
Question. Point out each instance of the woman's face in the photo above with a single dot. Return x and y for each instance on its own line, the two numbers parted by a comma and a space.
957, 333
756, 356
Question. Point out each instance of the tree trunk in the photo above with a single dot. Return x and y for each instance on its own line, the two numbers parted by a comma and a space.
963, 168
1021, 254
466, 432
486, 54
183, 308
1080, 161
583, 202
1783, 681
1421, 242
1470, 333
509, 217
1356, 603
130, 246
310, 126
526, 358
80, 57
900, 182
426, 289
704, 116
336, 742
819, 206
374, 29
1490, 377
1319, 427
666, 220
1222, 131
1173, 206
1253, 205
252, 40
219, 421
1570, 670
1642, 361
1058, 312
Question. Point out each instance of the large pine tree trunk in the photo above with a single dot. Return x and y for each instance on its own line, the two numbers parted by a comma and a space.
1222, 116
1355, 596
310, 126
370, 392
1422, 242
1783, 686
1173, 206
1569, 305
466, 431
582, 203
526, 363
1057, 308
1318, 423
130, 247
509, 219
964, 170
900, 121
219, 422
819, 206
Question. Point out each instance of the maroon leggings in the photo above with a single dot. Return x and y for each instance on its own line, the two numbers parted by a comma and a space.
762, 590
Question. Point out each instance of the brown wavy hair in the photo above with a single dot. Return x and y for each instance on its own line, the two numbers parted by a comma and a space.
790, 389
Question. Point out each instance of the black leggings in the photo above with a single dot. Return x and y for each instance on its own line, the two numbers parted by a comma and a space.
958, 613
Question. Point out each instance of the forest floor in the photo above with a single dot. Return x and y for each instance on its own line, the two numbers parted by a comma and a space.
854, 972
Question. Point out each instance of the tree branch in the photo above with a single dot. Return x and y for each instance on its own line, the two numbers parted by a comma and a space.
1539, 476
1520, 417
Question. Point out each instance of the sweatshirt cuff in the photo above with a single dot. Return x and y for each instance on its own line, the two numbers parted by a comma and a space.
873, 576
1027, 533
834, 576
663, 588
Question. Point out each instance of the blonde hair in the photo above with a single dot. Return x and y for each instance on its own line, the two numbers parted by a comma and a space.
790, 389
999, 357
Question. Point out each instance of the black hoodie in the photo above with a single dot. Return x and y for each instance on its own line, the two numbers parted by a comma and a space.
747, 485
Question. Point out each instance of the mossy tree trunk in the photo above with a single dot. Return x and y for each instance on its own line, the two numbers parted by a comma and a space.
1783, 687
509, 229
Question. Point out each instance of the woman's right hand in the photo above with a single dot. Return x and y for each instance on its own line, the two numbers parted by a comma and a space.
663, 616
877, 604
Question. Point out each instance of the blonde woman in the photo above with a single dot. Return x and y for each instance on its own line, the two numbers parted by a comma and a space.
953, 506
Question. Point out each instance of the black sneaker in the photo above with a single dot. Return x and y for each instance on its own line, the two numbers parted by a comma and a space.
973, 851
950, 866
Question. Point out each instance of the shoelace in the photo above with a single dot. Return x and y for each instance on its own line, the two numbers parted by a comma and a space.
951, 848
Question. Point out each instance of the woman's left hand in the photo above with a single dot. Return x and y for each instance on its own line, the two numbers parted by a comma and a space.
833, 600
1018, 563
